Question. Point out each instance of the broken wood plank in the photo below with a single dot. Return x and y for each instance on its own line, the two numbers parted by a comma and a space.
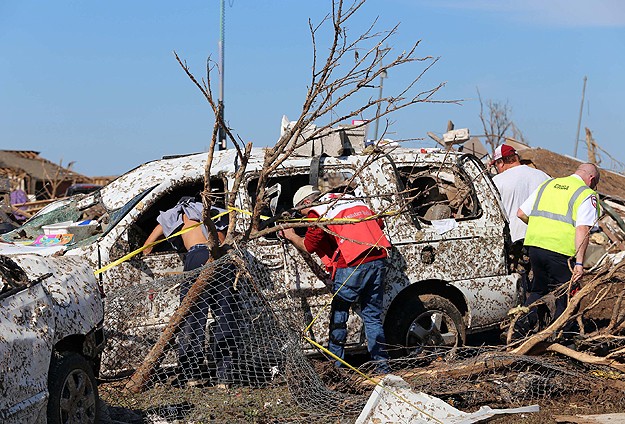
618, 418
485, 363
613, 238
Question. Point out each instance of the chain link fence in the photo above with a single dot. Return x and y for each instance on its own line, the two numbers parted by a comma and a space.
232, 351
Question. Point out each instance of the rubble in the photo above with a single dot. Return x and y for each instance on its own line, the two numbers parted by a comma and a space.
393, 400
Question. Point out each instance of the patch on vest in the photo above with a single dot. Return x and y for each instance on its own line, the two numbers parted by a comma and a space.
561, 187
593, 201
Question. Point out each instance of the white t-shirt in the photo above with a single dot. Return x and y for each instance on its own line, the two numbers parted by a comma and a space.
586, 213
171, 219
515, 185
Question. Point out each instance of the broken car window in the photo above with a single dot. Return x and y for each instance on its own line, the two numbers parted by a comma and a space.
281, 198
435, 192
12, 277
144, 224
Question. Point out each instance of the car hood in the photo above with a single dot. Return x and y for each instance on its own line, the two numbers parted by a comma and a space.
11, 249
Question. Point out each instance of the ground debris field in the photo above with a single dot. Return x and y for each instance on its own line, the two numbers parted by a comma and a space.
560, 387
578, 372
479, 374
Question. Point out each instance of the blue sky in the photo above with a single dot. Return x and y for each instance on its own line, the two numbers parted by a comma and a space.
97, 83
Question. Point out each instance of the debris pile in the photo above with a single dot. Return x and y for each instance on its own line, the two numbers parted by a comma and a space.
274, 380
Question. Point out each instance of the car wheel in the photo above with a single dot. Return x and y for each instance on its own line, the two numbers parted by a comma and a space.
73, 390
425, 323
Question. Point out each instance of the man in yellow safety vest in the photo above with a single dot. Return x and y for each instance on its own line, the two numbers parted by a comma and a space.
559, 214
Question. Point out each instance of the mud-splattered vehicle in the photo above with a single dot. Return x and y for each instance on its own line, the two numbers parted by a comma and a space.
448, 272
51, 336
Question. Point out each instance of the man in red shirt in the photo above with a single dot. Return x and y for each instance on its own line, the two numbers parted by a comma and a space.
355, 252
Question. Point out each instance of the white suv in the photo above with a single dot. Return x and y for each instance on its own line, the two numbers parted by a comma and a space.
448, 272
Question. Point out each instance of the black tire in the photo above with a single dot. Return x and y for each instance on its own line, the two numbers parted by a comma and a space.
73, 390
423, 324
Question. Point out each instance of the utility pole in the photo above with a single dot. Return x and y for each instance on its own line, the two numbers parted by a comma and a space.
377, 119
221, 132
383, 75
579, 121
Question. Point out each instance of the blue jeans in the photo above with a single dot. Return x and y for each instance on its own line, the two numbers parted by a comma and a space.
192, 336
219, 297
363, 284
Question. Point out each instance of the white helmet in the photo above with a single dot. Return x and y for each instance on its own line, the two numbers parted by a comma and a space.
304, 192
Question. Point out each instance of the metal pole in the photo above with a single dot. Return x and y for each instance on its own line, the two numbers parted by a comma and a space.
377, 114
221, 132
579, 121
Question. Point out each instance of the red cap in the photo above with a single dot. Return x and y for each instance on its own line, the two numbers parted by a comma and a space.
503, 151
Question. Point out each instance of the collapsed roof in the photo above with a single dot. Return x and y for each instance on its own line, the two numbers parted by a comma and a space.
556, 165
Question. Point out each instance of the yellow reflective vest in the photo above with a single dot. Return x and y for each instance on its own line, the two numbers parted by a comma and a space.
552, 220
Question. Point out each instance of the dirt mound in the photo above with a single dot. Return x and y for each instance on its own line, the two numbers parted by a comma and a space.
557, 165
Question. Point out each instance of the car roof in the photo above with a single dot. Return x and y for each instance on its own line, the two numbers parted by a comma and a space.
225, 162
78, 185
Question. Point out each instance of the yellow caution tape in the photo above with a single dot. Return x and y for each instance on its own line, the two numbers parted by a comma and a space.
230, 209
243, 211
612, 375
142, 248
370, 379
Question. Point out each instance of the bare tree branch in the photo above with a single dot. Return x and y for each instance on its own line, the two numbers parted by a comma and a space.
337, 84
497, 123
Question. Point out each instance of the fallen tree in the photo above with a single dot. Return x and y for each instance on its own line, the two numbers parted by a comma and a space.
602, 290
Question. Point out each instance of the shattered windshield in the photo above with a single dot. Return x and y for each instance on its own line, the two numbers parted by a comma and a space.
85, 218
33, 227
118, 214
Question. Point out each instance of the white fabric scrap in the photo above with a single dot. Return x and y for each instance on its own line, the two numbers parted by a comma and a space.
393, 401
443, 225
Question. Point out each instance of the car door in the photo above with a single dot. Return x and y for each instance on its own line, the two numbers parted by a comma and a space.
300, 288
452, 231
26, 334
